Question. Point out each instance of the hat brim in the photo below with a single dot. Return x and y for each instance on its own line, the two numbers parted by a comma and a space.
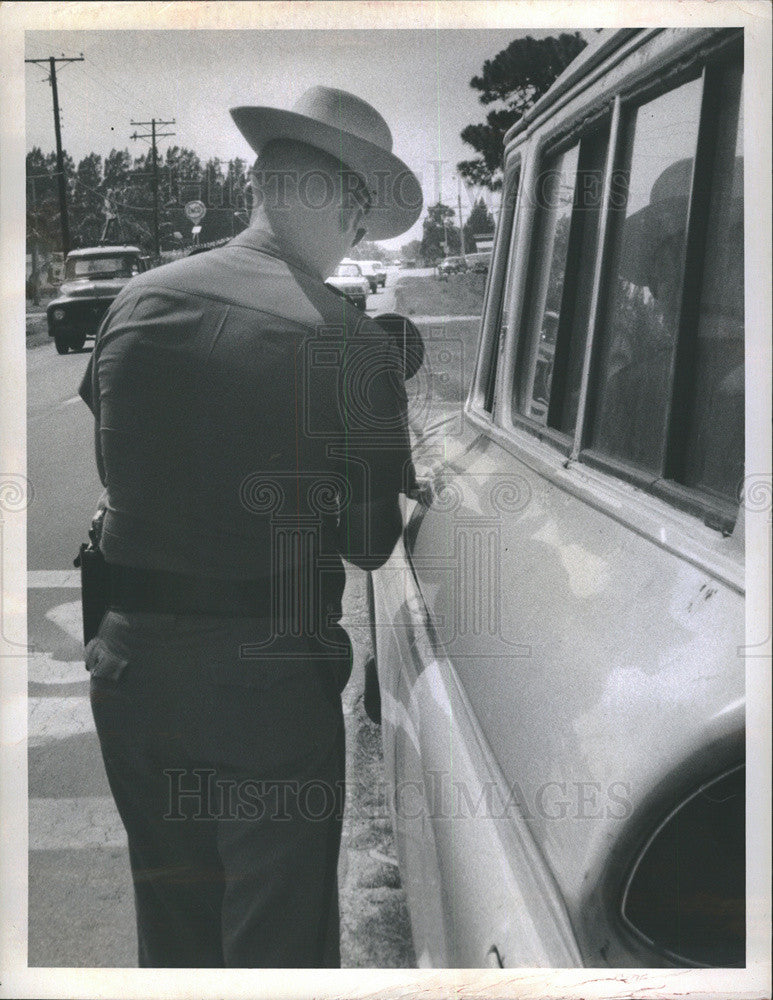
396, 192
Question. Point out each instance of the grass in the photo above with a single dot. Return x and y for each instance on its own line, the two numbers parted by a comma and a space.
460, 295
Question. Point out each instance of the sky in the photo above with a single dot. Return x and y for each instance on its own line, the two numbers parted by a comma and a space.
417, 79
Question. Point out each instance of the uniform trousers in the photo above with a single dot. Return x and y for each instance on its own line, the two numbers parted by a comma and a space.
224, 751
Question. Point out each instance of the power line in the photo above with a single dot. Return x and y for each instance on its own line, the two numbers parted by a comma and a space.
52, 61
153, 136
119, 91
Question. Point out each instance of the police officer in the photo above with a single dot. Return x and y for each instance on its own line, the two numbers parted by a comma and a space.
250, 431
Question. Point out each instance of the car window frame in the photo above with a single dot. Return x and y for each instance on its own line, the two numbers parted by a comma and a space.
553, 143
548, 141
633, 89
497, 305
715, 513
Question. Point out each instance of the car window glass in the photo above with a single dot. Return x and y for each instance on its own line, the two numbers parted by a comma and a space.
555, 191
639, 335
85, 266
569, 195
501, 288
715, 446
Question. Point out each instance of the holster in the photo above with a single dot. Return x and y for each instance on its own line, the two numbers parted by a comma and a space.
95, 582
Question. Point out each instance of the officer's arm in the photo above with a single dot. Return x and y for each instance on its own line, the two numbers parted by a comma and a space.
368, 532
377, 448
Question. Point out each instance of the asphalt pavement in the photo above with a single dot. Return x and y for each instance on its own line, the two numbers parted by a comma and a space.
80, 893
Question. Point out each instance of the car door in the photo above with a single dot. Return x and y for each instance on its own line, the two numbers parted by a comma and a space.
558, 637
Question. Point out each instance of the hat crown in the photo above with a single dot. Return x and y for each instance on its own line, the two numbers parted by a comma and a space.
676, 180
673, 182
341, 110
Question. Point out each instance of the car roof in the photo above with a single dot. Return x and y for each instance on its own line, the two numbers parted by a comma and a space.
594, 52
102, 251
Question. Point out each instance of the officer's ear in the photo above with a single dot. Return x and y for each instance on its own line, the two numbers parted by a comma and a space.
255, 189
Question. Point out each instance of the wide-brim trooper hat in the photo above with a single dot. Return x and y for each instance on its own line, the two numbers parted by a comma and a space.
646, 231
345, 126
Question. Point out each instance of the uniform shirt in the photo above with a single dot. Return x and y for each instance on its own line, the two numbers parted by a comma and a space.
240, 405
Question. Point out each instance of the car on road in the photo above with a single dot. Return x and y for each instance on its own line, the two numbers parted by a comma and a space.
559, 635
369, 271
349, 280
452, 265
92, 278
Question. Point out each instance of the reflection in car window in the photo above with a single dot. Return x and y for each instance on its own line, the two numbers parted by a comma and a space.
715, 446
642, 324
570, 188
556, 198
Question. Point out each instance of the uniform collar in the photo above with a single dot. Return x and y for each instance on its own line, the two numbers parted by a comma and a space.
266, 242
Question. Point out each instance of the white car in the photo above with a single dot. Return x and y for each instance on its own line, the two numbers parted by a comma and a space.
560, 635
349, 280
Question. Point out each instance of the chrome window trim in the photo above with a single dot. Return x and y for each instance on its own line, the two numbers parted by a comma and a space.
552, 142
514, 304
484, 358
601, 247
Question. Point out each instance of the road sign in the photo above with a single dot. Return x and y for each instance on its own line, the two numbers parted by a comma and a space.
195, 210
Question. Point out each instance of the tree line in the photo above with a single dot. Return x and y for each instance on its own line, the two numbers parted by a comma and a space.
112, 197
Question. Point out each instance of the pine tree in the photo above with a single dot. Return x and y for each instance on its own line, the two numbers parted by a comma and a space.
516, 77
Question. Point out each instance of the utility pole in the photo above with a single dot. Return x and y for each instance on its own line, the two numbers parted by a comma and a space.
35, 281
461, 220
52, 61
154, 176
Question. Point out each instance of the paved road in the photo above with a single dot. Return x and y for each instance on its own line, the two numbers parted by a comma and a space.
80, 896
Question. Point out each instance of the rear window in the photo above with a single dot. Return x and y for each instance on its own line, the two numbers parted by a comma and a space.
348, 271
83, 267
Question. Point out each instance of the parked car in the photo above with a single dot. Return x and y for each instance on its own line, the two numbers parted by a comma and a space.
369, 271
452, 265
558, 635
350, 281
479, 262
93, 277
